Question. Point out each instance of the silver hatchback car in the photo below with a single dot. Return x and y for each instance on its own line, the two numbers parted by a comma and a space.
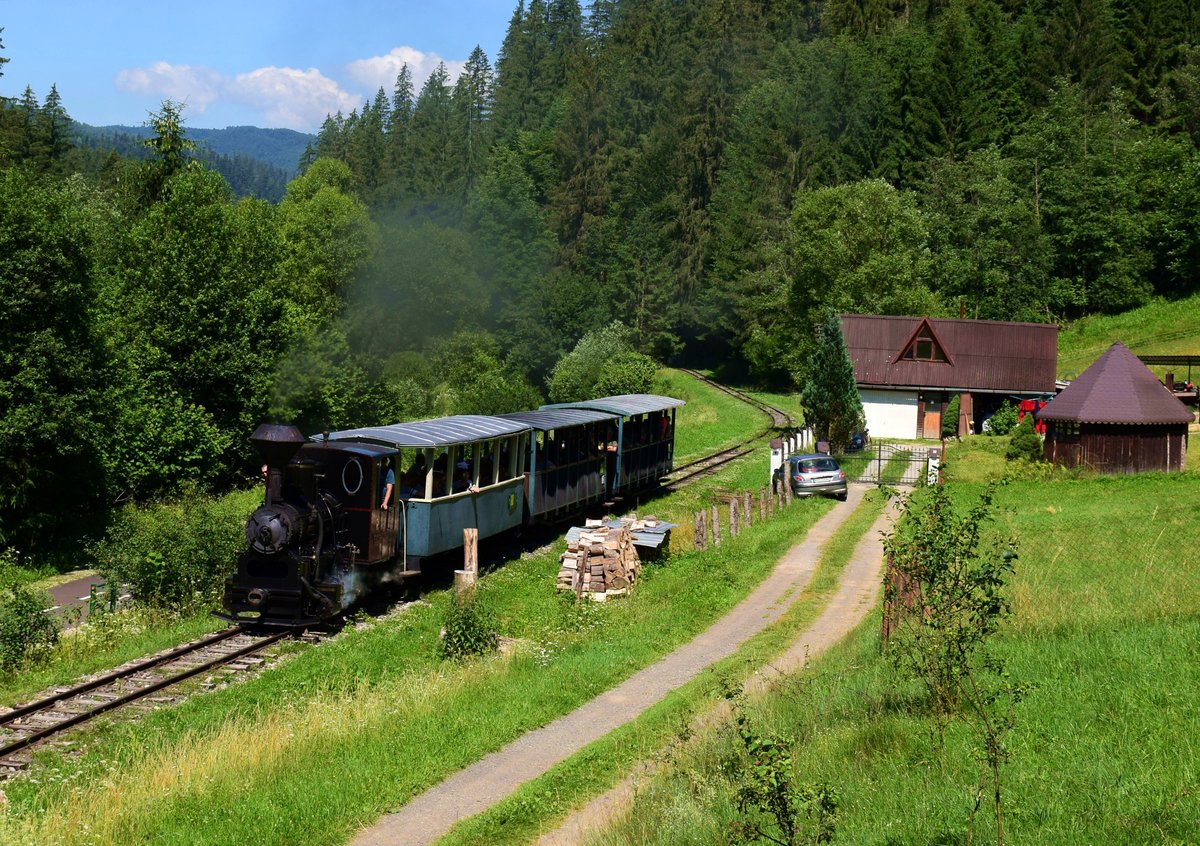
815, 474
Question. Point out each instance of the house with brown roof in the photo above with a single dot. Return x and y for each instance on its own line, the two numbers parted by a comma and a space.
908, 369
1117, 418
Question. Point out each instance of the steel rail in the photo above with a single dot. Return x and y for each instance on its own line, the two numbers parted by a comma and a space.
116, 675
133, 696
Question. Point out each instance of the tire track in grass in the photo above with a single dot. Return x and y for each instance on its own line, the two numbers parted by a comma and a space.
472, 790
857, 593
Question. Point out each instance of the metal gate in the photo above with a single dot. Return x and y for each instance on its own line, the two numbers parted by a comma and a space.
886, 464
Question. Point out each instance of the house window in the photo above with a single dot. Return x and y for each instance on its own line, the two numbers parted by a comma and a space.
924, 348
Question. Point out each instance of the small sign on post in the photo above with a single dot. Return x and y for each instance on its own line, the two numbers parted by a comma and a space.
776, 459
933, 471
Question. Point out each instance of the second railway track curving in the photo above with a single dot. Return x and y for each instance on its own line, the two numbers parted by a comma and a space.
685, 474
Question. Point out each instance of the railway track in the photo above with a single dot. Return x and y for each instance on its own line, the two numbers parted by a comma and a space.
780, 419
695, 470
27, 725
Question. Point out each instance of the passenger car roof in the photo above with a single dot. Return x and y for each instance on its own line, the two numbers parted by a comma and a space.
441, 431
624, 404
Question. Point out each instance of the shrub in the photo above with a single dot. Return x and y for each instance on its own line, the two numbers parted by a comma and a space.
1026, 443
177, 554
950, 418
469, 629
1003, 421
604, 362
27, 632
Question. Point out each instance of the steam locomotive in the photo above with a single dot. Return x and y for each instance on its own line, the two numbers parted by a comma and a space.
346, 511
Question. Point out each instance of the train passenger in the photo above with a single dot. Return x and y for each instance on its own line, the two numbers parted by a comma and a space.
462, 478
389, 483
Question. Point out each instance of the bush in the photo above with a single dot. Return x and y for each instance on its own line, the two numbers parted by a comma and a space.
950, 418
469, 629
1003, 421
603, 363
177, 554
27, 632
1026, 443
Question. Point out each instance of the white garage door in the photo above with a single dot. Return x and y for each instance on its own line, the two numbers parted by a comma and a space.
890, 414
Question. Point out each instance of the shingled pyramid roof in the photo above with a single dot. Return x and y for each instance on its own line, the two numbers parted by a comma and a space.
1117, 388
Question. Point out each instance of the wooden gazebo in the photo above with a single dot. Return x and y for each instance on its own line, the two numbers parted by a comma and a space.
1116, 418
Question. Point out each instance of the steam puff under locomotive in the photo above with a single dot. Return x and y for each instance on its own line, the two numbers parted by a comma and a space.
322, 537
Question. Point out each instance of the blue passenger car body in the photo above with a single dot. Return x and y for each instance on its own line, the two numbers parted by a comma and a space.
431, 458
644, 450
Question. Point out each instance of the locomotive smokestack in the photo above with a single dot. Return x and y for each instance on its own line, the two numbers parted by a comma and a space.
276, 444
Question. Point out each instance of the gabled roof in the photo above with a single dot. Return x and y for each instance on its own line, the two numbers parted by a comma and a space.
1117, 388
981, 354
927, 325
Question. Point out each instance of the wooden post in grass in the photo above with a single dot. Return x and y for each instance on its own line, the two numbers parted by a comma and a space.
716, 525
762, 505
464, 579
746, 509
734, 529
701, 530
787, 492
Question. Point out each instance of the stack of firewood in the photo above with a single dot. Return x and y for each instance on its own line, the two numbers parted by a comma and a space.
602, 562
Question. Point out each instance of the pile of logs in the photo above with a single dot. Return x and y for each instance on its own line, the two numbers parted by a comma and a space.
602, 562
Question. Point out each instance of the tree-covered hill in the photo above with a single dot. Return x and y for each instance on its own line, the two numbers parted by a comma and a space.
712, 175
715, 172
279, 148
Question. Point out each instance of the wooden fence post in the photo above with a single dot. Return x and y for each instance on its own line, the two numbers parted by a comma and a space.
746, 509
787, 492
762, 505
701, 530
464, 579
716, 525
734, 528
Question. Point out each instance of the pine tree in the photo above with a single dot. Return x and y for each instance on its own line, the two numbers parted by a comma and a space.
56, 129
832, 405
473, 97
399, 170
435, 151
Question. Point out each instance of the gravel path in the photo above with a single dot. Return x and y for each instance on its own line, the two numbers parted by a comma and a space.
857, 592
430, 815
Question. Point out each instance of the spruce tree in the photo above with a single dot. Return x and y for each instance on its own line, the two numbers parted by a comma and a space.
832, 405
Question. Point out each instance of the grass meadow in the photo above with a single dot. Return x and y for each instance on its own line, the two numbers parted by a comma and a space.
711, 419
1104, 630
1161, 328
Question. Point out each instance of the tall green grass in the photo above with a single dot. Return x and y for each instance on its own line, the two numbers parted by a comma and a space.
1105, 630
369, 719
711, 419
1160, 328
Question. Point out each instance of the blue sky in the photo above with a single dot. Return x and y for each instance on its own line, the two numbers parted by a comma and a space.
258, 62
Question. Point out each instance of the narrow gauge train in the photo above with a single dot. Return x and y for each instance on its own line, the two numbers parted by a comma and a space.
345, 511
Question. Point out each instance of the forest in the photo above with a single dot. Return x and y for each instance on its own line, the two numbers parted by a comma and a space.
688, 181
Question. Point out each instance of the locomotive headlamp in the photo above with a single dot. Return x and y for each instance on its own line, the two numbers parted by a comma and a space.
256, 596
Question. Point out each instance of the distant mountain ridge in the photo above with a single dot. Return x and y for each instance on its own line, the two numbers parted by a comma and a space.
281, 148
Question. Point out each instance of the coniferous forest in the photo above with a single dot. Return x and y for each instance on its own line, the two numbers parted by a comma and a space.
713, 175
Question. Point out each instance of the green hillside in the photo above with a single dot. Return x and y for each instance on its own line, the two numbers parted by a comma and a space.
281, 148
1159, 328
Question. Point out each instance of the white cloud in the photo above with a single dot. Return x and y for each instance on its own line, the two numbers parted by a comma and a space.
197, 87
381, 71
292, 98
287, 97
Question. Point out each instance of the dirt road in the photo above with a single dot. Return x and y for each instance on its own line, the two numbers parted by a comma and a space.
430, 815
